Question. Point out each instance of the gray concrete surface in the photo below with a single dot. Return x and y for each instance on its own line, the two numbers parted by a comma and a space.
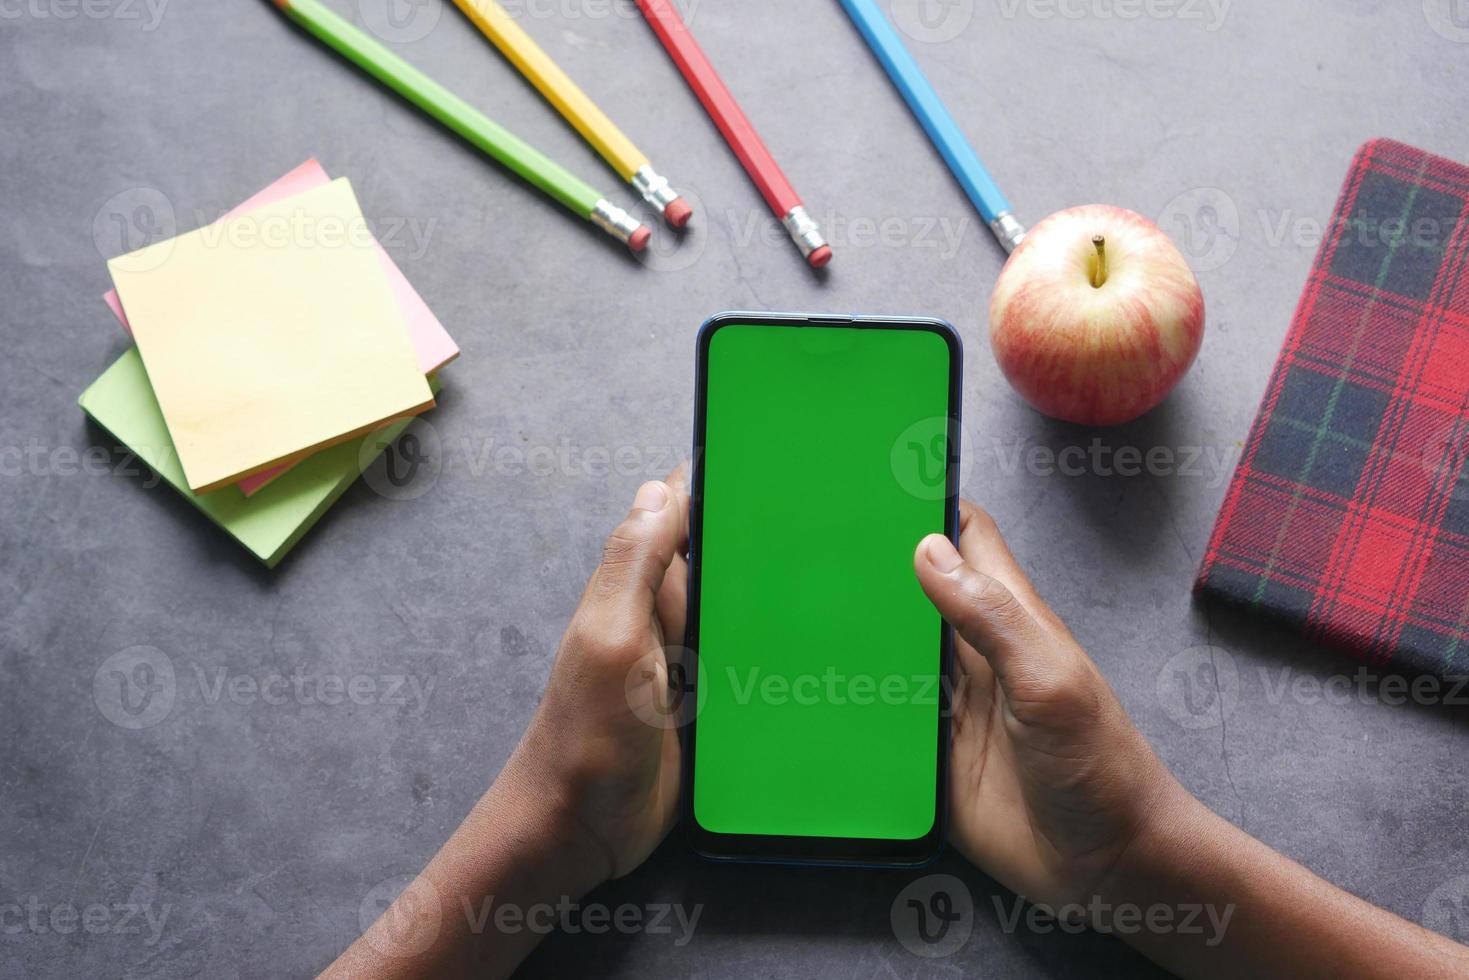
255, 833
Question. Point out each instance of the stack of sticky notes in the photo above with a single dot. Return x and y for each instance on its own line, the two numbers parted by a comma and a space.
278, 351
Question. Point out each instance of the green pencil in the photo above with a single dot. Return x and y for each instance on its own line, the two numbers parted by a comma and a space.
474, 126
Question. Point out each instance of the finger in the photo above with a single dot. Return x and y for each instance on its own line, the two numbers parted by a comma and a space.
678, 486
672, 603
983, 547
673, 600
1026, 657
623, 592
678, 478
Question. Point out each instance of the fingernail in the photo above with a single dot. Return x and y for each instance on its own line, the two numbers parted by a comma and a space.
651, 497
942, 554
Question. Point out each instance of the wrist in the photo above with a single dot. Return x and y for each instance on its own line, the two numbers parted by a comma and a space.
493, 888
534, 816
1169, 850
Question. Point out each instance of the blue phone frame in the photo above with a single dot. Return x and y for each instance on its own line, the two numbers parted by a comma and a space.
812, 851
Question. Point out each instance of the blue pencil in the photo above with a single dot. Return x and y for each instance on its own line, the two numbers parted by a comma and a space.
937, 122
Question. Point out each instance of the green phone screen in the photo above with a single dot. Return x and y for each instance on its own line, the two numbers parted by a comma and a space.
819, 656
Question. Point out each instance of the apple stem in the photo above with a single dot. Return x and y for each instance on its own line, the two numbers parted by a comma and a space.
1099, 268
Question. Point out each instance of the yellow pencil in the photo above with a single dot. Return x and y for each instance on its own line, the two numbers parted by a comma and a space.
568, 98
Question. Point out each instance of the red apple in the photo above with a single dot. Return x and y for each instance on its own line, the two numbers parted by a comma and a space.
1096, 316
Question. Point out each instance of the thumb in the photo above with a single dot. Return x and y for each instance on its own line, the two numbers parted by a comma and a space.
623, 591
1027, 660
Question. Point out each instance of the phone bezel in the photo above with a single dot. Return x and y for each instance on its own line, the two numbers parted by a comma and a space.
862, 852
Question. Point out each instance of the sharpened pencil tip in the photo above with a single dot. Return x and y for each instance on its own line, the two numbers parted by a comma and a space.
820, 257
678, 212
639, 239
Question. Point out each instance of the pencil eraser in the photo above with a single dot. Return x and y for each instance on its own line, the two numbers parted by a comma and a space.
678, 212
820, 257
639, 239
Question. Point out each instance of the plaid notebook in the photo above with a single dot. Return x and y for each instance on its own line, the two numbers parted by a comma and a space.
1349, 514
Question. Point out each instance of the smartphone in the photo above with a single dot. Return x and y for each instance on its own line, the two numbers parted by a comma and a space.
815, 675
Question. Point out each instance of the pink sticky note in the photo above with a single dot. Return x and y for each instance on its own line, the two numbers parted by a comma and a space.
432, 342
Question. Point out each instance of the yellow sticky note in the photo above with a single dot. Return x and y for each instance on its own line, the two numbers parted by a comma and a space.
270, 335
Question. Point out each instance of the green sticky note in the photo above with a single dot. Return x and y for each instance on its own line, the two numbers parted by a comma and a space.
270, 522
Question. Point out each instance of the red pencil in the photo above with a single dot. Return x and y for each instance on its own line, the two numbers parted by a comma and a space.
738, 132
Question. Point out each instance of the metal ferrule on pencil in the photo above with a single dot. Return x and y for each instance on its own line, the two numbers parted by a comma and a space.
614, 221
654, 187
804, 231
1008, 230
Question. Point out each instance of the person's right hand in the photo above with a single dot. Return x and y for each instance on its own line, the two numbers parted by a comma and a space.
1050, 779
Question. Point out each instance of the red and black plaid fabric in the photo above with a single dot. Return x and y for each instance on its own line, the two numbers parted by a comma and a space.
1349, 513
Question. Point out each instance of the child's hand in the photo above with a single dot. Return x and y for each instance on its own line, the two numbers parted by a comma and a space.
1051, 780
1055, 793
595, 743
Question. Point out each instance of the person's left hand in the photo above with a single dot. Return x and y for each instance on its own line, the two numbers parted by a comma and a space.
603, 744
